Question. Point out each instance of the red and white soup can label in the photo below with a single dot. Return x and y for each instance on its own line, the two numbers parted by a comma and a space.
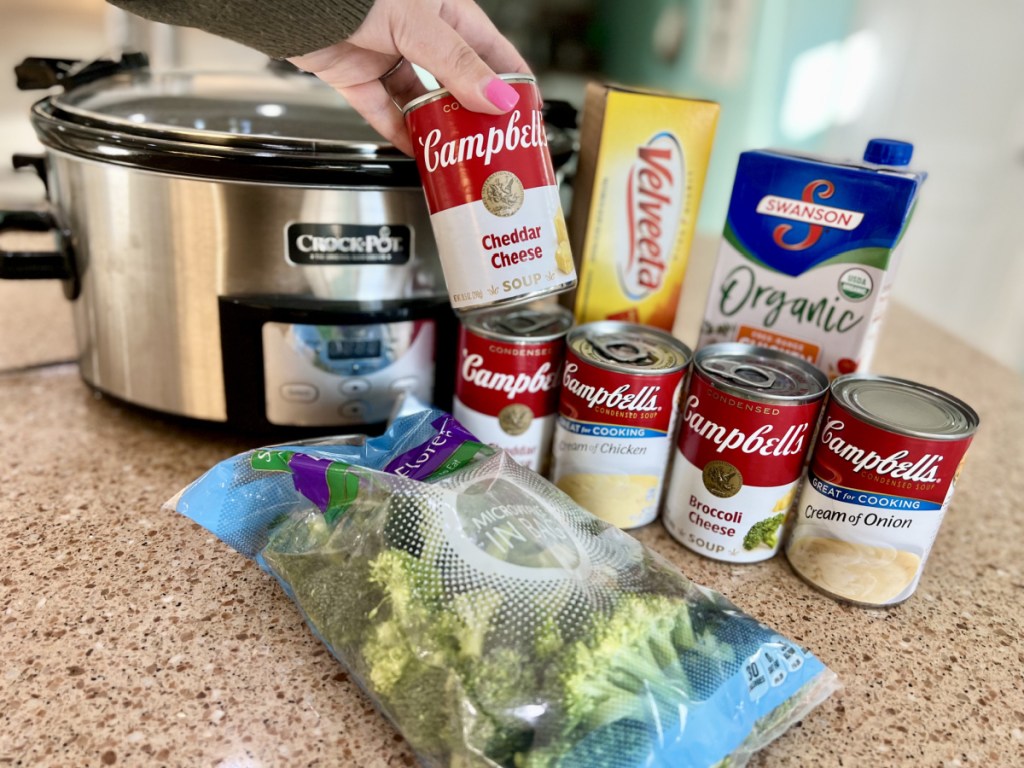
617, 416
882, 473
493, 198
747, 422
507, 383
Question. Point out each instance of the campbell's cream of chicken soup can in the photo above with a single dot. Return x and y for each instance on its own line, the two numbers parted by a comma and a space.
507, 383
882, 472
616, 418
748, 417
493, 198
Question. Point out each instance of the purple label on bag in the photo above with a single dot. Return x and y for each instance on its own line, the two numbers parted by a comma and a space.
310, 477
450, 448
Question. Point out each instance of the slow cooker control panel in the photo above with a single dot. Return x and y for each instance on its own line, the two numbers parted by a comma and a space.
344, 375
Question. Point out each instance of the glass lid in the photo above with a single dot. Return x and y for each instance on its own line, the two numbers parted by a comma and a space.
263, 127
221, 108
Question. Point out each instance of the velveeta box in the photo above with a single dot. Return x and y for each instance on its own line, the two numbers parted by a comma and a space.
642, 163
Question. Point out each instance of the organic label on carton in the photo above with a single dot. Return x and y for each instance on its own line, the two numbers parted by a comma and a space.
808, 256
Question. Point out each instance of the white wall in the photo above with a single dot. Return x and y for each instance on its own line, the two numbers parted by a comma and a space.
951, 80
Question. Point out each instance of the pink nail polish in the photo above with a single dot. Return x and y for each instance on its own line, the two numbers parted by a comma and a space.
501, 94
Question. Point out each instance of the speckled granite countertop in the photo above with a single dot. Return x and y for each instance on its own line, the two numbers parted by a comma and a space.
130, 636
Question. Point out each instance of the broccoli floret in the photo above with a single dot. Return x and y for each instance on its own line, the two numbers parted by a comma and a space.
626, 681
764, 532
628, 660
429, 660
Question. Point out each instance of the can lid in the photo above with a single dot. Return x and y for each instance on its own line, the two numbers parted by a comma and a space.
629, 347
905, 407
761, 374
520, 323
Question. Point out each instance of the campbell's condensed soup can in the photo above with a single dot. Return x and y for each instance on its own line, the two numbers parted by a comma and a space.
493, 198
881, 476
506, 387
748, 419
616, 418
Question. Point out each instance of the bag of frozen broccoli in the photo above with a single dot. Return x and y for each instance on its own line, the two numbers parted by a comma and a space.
494, 621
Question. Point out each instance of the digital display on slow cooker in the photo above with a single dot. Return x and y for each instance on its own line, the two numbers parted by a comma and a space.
349, 349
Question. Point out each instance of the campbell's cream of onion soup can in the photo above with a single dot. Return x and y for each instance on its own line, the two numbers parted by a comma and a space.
616, 418
882, 472
748, 418
493, 198
507, 383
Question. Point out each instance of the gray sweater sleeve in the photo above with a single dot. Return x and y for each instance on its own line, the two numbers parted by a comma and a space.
278, 28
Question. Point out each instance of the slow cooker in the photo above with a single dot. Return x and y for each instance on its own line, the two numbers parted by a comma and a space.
237, 248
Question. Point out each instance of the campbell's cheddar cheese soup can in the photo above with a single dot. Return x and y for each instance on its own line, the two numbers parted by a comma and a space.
748, 417
616, 418
493, 198
883, 467
507, 383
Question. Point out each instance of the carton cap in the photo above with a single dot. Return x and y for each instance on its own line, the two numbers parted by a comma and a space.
888, 152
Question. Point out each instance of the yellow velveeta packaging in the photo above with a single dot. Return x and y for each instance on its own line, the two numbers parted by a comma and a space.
642, 162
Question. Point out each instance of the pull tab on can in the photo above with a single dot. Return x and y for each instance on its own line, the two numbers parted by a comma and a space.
744, 373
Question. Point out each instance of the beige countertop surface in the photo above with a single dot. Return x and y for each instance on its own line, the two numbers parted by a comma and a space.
131, 636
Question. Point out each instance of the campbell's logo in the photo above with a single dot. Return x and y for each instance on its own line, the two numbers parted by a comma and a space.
895, 465
766, 442
763, 441
518, 132
654, 201
493, 374
807, 210
511, 385
622, 398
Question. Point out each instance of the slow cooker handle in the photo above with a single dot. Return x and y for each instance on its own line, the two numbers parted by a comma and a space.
38, 265
39, 72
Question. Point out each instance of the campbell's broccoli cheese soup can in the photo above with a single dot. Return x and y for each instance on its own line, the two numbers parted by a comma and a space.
747, 421
616, 418
882, 473
493, 198
507, 383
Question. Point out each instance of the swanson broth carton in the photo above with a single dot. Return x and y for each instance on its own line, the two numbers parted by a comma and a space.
642, 163
809, 253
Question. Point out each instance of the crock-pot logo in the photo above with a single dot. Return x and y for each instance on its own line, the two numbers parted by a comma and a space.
807, 210
348, 244
654, 202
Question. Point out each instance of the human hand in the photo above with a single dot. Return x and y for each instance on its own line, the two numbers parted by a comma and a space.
454, 40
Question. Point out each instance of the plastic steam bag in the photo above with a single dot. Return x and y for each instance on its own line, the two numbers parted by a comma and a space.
494, 621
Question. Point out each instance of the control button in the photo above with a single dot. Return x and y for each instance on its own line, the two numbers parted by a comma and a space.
354, 386
298, 392
405, 384
354, 409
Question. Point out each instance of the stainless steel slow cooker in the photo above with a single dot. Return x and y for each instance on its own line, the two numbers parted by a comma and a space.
238, 248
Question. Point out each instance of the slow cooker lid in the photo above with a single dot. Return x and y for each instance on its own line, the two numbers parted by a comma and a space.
260, 127
218, 108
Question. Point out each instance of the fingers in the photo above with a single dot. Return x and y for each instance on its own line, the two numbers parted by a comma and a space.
402, 83
432, 42
373, 103
454, 40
